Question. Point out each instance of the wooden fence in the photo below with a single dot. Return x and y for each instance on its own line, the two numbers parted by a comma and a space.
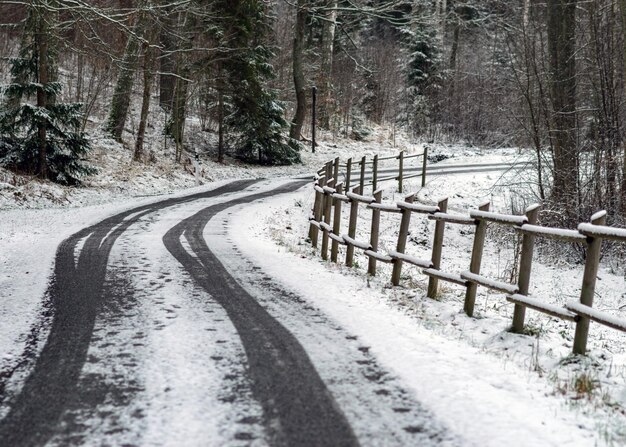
330, 195
372, 172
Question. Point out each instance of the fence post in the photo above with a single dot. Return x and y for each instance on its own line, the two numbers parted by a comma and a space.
328, 169
378, 196
354, 213
400, 171
440, 226
325, 237
424, 163
317, 212
589, 284
336, 171
477, 256
348, 173
336, 224
525, 268
402, 236
315, 205
362, 178
375, 173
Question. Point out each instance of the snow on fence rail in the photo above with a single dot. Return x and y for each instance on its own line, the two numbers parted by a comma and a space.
331, 194
335, 169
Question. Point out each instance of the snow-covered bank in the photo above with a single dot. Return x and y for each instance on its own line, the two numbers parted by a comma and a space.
593, 387
448, 361
120, 177
483, 399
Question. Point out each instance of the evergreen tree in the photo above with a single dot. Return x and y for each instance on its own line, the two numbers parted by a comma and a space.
40, 138
424, 76
423, 64
257, 116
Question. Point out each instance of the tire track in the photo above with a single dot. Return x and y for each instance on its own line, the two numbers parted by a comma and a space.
75, 295
298, 408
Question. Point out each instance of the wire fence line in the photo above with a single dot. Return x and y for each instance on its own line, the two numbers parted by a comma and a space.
331, 194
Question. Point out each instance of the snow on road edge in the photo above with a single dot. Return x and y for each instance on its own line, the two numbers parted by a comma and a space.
28, 242
486, 401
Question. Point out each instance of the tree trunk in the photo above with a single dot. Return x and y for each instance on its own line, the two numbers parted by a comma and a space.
145, 104
601, 21
220, 121
179, 106
441, 7
562, 54
455, 45
178, 116
42, 97
454, 103
527, 85
167, 62
623, 186
124, 86
298, 72
324, 86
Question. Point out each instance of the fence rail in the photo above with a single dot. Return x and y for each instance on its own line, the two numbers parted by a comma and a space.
327, 213
365, 176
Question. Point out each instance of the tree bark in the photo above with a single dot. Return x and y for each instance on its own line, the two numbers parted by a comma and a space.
220, 121
563, 132
179, 101
145, 104
42, 97
441, 7
623, 186
124, 86
325, 93
167, 62
298, 72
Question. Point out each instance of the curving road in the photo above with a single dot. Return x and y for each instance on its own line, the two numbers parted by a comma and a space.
151, 336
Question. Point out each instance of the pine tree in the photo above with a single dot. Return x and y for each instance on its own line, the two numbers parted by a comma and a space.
423, 65
424, 76
42, 137
257, 116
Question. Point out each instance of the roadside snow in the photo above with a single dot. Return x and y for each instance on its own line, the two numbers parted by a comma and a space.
594, 386
28, 242
485, 400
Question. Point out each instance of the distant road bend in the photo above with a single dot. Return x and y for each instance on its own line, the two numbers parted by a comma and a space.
436, 170
298, 406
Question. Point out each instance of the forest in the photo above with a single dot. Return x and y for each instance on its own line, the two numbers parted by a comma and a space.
545, 76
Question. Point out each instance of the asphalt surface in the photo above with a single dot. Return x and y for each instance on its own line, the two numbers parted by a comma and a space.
284, 379
436, 170
76, 294
299, 406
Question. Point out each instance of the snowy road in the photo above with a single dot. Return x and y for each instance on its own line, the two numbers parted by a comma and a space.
153, 341
442, 169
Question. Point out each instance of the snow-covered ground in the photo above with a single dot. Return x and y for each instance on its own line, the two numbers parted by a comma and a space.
484, 400
120, 177
468, 371
593, 389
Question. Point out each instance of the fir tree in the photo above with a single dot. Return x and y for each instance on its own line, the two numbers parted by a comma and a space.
423, 63
257, 116
41, 136
424, 77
